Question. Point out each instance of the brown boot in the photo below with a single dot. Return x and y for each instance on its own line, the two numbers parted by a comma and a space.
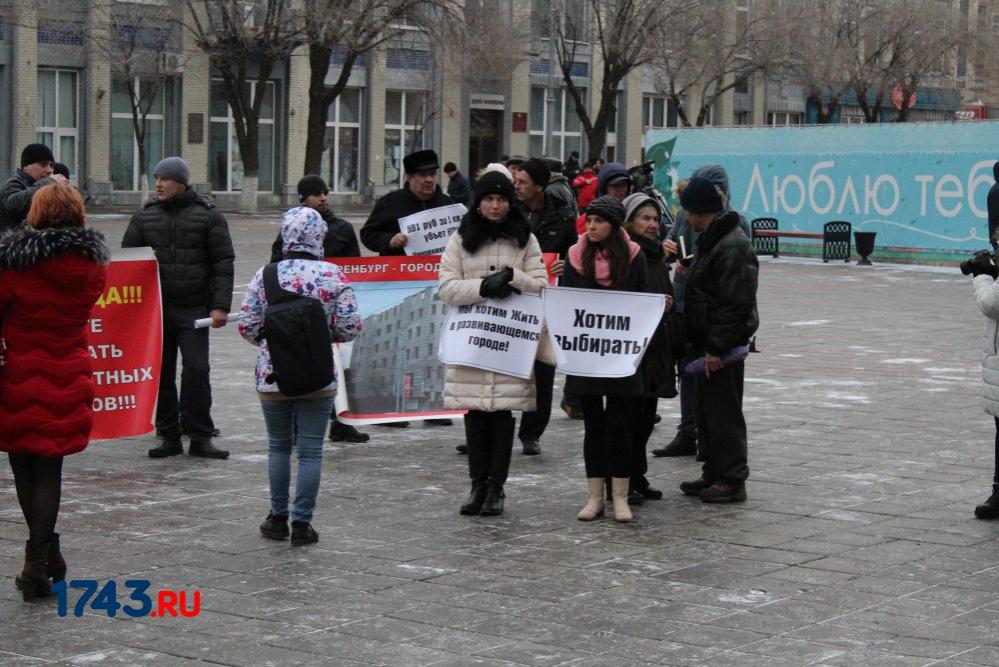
34, 579
725, 492
57, 564
622, 512
594, 508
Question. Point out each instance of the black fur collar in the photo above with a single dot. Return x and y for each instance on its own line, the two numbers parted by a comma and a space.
476, 230
26, 247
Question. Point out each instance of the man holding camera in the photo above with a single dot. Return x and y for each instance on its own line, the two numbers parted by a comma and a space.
983, 267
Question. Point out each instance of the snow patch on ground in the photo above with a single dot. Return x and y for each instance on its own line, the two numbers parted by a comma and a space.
905, 360
850, 398
809, 323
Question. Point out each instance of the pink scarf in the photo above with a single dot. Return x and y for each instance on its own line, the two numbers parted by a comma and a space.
601, 265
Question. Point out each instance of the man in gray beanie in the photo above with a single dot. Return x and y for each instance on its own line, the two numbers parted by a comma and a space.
192, 244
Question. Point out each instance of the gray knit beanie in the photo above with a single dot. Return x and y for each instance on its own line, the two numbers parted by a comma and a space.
173, 168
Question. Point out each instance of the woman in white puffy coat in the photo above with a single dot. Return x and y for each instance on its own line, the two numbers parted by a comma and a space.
987, 296
492, 254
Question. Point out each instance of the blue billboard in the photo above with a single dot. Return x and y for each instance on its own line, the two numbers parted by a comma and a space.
918, 185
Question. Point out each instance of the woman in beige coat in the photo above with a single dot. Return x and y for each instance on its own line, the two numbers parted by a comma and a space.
492, 255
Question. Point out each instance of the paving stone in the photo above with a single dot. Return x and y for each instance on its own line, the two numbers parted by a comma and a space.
857, 545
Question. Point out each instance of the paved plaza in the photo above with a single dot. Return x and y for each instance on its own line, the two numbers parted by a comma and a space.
857, 546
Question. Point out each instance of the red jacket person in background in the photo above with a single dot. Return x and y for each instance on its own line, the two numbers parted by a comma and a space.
51, 273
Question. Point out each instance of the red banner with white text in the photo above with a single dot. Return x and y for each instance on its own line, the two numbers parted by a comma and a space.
125, 335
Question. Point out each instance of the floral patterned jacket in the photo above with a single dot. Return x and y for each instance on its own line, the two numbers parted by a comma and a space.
320, 280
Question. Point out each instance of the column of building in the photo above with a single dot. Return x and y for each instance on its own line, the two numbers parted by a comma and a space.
376, 116
195, 121
633, 129
298, 122
24, 100
97, 147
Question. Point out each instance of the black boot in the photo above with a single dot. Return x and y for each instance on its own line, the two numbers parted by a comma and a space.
171, 447
990, 508
473, 505
493, 504
56, 563
641, 484
682, 445
275, 527
302, 533
34, 578
346, 433
206, 450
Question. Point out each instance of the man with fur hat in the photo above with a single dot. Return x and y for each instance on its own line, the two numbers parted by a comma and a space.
192, 244
36, 171
720, 315
420, 192
340, 241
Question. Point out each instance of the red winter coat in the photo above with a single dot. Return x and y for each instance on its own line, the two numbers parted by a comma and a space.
49, 281
586, 186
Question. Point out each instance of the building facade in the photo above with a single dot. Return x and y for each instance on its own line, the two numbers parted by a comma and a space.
61, 89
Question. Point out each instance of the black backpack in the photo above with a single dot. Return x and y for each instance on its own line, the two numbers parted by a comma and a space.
298, 338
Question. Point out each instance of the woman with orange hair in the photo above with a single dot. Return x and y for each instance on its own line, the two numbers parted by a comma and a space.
51, 273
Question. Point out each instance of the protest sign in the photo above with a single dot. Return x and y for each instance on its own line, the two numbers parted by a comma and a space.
499, 335
125, 338
390, 372
600, 333
428, 231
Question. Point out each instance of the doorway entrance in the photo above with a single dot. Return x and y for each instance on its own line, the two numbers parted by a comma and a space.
485, 133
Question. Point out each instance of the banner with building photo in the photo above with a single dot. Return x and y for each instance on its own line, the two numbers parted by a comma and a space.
600, 333
429, 231
125, 335
391, 372
499, 335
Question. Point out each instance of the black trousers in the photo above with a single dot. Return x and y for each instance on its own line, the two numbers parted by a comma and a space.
721, 427
533, 424
191, 413
643, 416
489, 436
607, 438
995, 475
38, 482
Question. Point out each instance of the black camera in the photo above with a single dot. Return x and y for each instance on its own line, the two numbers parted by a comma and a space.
982, 260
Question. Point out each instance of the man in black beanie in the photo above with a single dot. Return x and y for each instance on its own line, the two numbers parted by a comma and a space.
340, 241
16, 194
720, 314
553, 223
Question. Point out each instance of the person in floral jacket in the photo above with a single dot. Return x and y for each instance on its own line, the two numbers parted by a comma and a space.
299, 421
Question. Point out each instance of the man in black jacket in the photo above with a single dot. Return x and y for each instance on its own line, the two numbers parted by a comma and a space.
720, 314
992, 204
553, 223
16, 194
340, 241
421, 192
458, 186
192, 244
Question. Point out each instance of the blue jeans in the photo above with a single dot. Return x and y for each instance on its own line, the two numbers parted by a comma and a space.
301, 421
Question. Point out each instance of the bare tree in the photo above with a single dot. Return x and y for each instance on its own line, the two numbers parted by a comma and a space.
708, 53
623, 33
236, 35
819, 44
141, 42
350, 29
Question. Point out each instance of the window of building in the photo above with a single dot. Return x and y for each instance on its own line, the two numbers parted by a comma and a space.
224, 162
568, 12
405, 114
658, 111
743, 118
58, 114
124, 146
781, 118
741, 18
553, 117
995, 24
341, 164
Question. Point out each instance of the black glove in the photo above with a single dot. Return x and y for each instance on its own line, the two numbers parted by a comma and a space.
497, 285
981, 264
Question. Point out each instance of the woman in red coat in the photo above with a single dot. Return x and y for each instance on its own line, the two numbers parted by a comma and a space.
51, 273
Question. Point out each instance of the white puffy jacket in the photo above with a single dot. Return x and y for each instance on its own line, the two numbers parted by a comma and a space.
987, 296
461, 275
